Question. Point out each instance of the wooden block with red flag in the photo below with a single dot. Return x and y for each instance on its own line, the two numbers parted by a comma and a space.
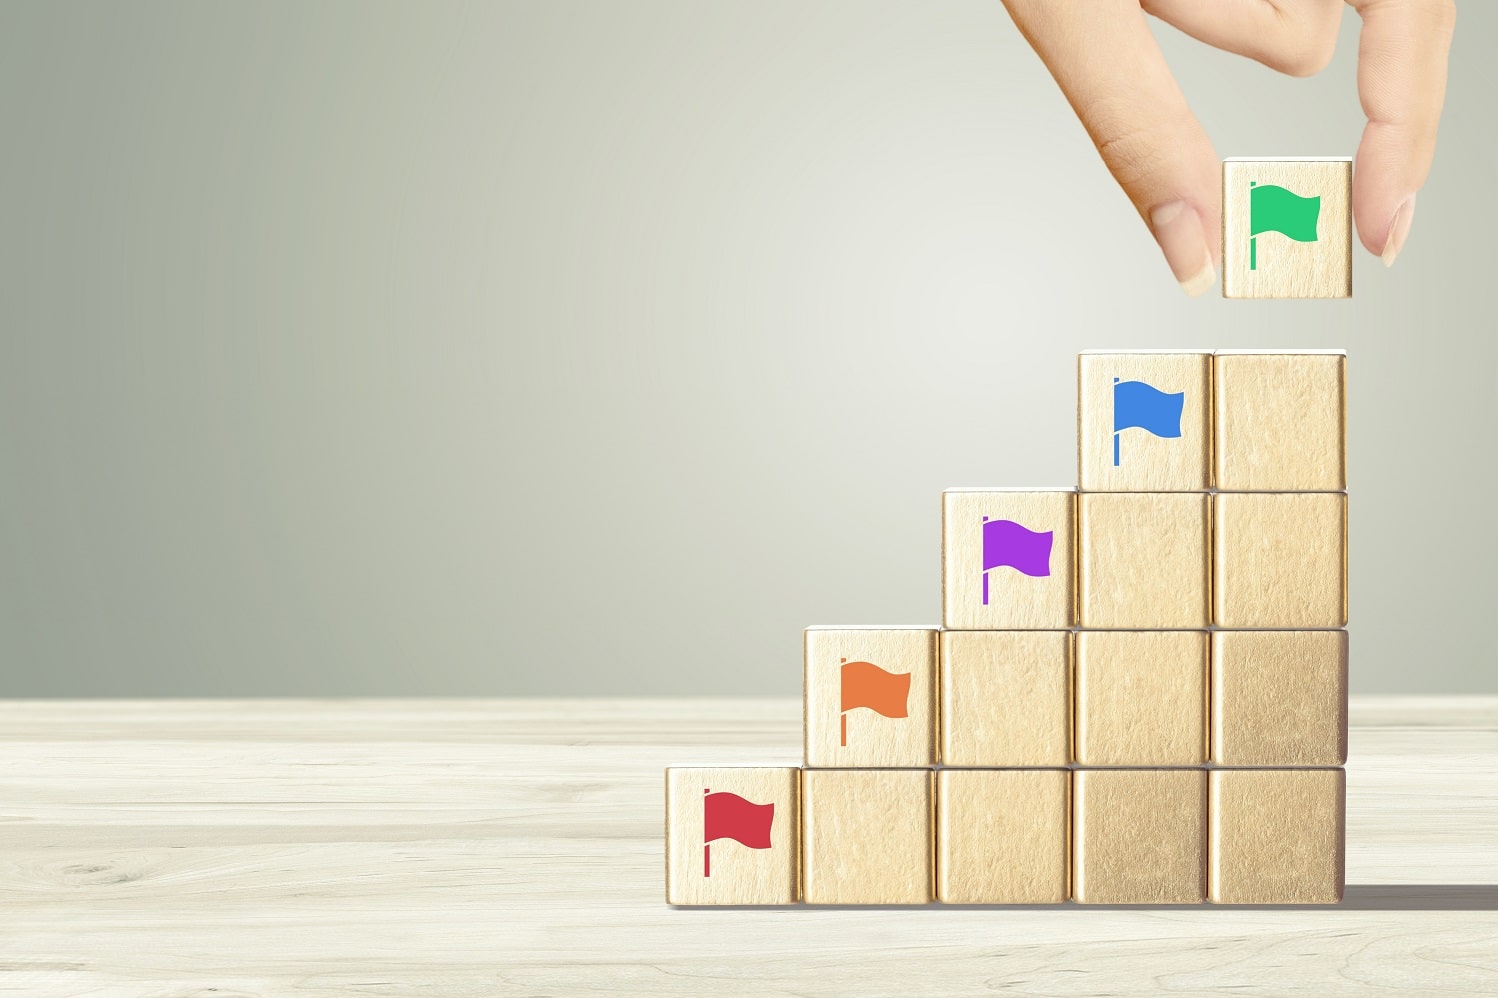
733, 835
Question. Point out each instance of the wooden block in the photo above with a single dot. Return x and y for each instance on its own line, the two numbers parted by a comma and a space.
866, 836
870, 696
1007, 557
1279, 698
1143, 559
1141, 698
1005, 698
1144, 421
1280, 559
1287, 228
1280, 421
1139, 836
733, 835
1277, 836
1002, 836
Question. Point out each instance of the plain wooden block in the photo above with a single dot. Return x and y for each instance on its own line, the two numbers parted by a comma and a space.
1144, 421
1007, 558
1287, 228
1139, 836
1279, 559
870, 696
1141, 698
1002, 836
866, 836
1005, 698
1279, 698
1277, 836
1280, 421
733, 835
1142, 560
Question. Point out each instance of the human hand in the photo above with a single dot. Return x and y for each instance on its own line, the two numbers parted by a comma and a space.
1106, 61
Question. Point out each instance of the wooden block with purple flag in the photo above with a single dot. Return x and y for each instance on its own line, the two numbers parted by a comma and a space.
733, 835
1007, 558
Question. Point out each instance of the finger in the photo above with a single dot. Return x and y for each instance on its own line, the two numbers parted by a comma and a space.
1402, 85
1297, 37
1106, 61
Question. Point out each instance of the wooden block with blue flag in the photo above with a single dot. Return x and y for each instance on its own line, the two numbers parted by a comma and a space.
1144, 421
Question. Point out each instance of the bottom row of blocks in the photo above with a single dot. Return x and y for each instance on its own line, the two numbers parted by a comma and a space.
1004, 836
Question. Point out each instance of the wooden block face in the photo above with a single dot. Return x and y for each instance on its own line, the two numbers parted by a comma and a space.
1144, 422
870, 696
1280, 559
733, 835
1002, 836
1280, 421
1005, 698
1139, 836
1007, 558
1287, 228
1143, 560
1141, 698
1277, 836
1279, 698
866, 836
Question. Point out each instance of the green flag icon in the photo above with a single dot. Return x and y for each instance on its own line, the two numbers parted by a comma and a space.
1275, 209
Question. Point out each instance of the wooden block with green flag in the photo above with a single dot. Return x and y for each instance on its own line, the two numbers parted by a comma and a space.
1287, 228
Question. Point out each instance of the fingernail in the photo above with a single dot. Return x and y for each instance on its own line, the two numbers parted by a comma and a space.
1399, 231
1178, 230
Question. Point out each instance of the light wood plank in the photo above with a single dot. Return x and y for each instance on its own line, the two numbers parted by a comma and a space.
515, 847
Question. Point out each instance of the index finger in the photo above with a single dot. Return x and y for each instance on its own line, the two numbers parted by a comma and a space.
1114, 75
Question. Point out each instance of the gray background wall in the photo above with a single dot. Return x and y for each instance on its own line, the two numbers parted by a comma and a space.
560, 348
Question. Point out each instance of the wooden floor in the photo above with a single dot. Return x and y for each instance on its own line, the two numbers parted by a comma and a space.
448, 848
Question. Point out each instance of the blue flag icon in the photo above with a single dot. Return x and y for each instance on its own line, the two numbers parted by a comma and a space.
1137, 404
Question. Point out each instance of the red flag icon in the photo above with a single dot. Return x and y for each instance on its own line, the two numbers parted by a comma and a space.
729, 816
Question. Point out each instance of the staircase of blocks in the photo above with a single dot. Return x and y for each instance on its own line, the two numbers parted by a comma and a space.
1138, 694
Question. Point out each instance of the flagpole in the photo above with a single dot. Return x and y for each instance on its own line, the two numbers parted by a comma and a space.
985, 571
844, 719
707, 855
1115, 422
1253, 240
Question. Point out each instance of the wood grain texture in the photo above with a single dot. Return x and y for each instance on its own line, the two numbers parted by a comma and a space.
1279, 420
1279, 559
1142, 559
461, 848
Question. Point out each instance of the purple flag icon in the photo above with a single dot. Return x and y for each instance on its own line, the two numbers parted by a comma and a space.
1007, 543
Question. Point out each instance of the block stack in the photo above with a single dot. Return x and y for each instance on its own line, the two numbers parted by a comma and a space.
1138, 694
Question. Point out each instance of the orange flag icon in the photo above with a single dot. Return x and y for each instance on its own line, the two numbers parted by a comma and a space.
867, 685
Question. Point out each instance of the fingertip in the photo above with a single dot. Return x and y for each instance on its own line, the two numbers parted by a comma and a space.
1385, 179
1183, 239
1399, 231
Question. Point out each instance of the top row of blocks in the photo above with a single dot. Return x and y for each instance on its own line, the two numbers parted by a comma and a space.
1233, 421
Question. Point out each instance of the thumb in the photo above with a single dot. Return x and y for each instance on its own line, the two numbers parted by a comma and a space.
1402, 84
